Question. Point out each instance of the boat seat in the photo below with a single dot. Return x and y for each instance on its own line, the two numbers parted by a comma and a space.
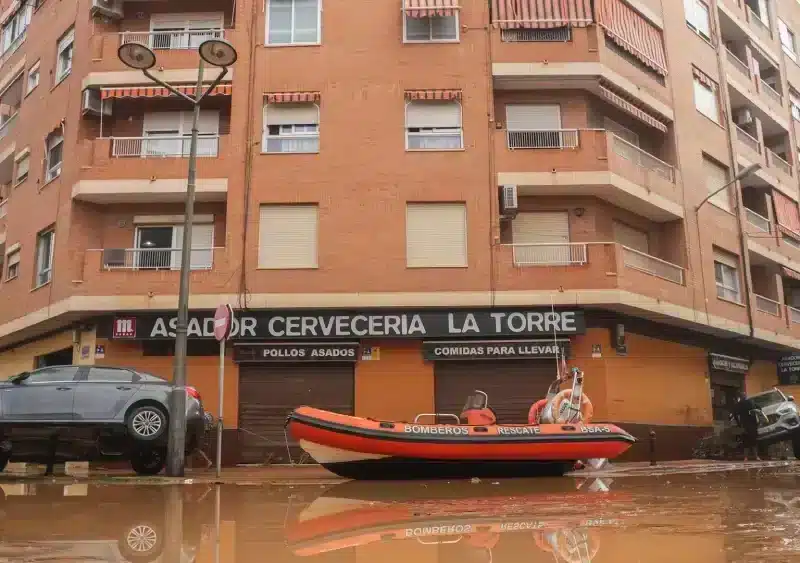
479, 417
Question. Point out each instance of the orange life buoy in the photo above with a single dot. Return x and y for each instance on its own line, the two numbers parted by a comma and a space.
536, 411
587, 410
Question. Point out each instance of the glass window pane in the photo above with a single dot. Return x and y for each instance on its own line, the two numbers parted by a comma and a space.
306, 21
53, 374
443, 28
112, 375
418, 29
279, 21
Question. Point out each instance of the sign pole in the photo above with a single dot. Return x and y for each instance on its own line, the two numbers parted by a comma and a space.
223, 322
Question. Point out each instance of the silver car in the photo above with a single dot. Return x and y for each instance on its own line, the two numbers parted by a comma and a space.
778, 415
98, 412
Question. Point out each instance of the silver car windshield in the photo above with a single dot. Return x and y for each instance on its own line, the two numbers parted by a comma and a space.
767, 399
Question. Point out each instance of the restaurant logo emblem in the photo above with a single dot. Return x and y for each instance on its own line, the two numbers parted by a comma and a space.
124, 328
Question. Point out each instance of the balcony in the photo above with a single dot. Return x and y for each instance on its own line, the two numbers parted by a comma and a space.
773, 96
651, 265
749, 145
793, 315
171, 40
590, 162
163, 147
3, 209
154, 259
545, 254
767, 305
739, 65
779, 167
759, 26
758, 222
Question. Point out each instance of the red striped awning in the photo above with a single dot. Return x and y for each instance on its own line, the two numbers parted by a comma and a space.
704, 79
789, 273
433, 94
292, 97
786, 212
631, 109
427, 8
633, 32
159, 92
541, 14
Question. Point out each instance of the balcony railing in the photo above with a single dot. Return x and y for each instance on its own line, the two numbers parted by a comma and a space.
738, 63
543, 139
295, 143
642, 158
758, 221
778, 162
12, 48
651, 265
758, 25
171, 40
794, 314
7, 124
771, 93
163, 147
547, 254
3, 208
155, 258
747, 139
767, 305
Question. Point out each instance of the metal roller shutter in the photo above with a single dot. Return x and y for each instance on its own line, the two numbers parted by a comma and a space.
512, 386
268, 393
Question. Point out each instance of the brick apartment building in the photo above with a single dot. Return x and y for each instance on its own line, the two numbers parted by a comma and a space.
405, 200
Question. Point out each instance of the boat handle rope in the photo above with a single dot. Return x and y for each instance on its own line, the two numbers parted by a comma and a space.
436, 415
440, 542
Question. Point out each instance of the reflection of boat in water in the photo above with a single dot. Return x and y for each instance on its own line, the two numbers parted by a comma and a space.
443, 514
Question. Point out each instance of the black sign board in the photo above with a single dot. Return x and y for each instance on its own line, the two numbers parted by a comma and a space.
494, 349
305, 324
729, 363
296, 352
789, 370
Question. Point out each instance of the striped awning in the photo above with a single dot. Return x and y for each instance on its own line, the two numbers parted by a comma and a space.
633, 32
427, 8
631, 109
704, 79
159, 92
787, 213
541, 14
292, 97
789, 273
433, 94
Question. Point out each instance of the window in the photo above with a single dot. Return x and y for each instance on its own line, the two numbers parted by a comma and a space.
291, 128
716, 177
55, 147
698, 17
542, 239
537, 126
55, 374
726, 273
23, 163
158, 247
705, 97
12, 264
33, 78
288, 237
64, 57
436, 235
632, 238
13, 33
433, 125
426, 28
787, 40
794, 101
169, 133
293, 22
110, 375
44, 257
183, 31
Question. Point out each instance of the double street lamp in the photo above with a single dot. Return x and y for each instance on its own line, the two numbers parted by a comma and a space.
221, 54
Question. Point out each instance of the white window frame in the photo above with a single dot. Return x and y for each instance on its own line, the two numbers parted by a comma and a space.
697, 84
292, 42
16, 253
34, 70
22, 17
67, 41
794, 102
41, 270
698, 9
723, 287
265, 136
175, 250
785, 32
182, 26
456, 16
26, 157
53, 171
435, 131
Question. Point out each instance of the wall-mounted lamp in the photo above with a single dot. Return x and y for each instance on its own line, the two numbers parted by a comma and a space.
579, 211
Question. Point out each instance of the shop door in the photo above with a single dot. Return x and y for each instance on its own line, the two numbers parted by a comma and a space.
267, 394
725, 390
512, 386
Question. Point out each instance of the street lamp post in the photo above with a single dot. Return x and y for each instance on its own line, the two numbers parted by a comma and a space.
221, 54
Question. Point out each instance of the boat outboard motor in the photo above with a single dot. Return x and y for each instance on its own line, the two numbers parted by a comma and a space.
477, 411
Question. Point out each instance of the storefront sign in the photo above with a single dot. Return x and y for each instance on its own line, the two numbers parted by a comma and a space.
789, 370
494, 350
291, 325
291, 352
729, 363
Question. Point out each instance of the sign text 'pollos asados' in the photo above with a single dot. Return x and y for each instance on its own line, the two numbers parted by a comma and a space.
297, 352
289, 325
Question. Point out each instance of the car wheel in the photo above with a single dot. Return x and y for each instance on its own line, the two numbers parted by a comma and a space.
146, 423
141, 542
148, 461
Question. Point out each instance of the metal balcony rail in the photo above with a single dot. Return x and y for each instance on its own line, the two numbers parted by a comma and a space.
794, 314
767, 305
778, 162
295, 143
549, 254
758, 221
163, 147
648, 264
738, 63
155, 258
642, 158
3, 208
171, 40
758, 25
747, 139
543, 139
771, 93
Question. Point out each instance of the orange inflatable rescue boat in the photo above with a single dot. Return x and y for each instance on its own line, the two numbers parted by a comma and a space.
559, 434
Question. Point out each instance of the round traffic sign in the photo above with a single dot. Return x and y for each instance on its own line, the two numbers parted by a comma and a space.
223, 320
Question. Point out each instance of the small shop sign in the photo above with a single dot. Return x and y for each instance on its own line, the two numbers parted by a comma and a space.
296, 352
494, 349
729, 363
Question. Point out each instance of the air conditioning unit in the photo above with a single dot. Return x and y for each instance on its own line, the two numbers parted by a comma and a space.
509, 201
743, 117
93, 105
108, 8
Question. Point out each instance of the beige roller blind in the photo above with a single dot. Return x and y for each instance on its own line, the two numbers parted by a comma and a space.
726, 258
291, 114
541, 227
533, 117
433, 114
13, 258
716, 177
436, 235
288, 236
632, 238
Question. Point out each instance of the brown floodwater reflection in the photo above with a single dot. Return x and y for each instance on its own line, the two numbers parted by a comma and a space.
748, 516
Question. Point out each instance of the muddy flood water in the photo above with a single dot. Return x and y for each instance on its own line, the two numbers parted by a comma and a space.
732, 517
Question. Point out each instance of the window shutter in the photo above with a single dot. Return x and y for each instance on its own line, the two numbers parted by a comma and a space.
207, 124
716, 177
632, 238
726, 258
288, 236
291, 114
203, 242
66, 40
436, 114
23, 166
533, 117
13, 259
162, 121
541, 227
213, 20
436, 235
